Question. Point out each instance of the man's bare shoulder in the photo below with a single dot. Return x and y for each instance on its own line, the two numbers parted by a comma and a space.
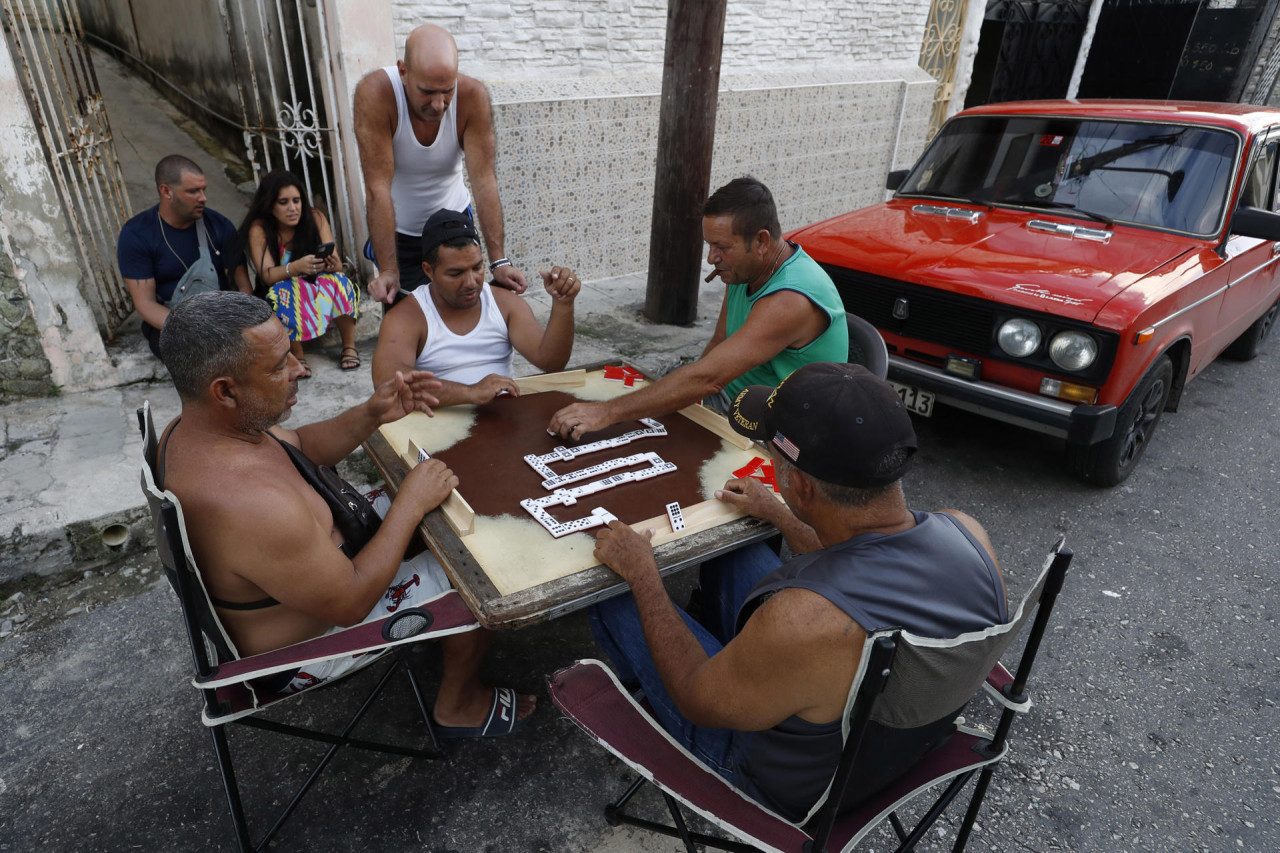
227, 486
506, 300
971, 524
374, 98
406, 312
472, 99
375, 84
802, 616
787, 301
968, 522
472, 92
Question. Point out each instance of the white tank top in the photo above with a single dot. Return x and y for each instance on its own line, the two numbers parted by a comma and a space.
427, 177
465, 358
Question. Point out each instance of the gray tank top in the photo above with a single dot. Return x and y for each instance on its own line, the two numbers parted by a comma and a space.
933, 580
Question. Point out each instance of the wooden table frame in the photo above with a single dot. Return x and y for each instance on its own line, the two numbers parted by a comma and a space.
562, 595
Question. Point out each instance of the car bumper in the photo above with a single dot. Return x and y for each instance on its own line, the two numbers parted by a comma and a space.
1077, 423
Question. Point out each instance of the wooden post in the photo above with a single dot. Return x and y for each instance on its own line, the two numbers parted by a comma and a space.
686, 134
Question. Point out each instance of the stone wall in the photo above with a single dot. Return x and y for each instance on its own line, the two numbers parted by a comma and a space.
24, 370
577, 172
569, 38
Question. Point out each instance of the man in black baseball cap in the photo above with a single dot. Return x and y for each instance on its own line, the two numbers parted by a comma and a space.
874, 445
449, 228
757, 687
463, 330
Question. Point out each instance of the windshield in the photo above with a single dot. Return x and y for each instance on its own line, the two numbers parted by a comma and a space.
1162, 175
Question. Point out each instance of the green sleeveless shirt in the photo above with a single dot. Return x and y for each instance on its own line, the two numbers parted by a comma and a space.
802, 274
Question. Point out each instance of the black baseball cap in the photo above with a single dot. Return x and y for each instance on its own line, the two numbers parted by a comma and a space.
445, 225
837, 422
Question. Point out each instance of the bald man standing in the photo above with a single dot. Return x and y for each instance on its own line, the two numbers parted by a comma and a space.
414, 120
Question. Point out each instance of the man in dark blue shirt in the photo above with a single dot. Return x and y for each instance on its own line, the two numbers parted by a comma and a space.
160, 246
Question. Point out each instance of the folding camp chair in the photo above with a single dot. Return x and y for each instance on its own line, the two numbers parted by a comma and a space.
866, 346
231, 685
898, 685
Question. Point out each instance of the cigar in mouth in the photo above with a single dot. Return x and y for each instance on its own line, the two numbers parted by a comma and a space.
710, 276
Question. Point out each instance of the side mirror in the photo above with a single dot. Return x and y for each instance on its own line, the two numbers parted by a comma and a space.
1255, 222
895, 179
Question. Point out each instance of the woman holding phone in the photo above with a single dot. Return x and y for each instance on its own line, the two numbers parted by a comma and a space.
291, 247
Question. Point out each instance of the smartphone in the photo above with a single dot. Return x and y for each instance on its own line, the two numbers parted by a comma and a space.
325, 250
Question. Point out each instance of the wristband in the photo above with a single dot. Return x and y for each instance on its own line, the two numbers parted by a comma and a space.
500, 262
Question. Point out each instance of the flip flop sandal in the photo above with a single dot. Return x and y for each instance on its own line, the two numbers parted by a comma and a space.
501, 720
306, 369
349, 362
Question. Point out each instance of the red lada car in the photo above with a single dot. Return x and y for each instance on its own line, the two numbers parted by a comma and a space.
1069, 266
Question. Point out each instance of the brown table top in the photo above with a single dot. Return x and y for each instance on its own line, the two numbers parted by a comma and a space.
562, 595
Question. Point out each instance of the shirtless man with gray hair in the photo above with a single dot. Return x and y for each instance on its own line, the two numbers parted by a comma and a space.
276, 562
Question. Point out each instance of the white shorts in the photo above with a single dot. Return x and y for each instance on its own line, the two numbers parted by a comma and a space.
418, 580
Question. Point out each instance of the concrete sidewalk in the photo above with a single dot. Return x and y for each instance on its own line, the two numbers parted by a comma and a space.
69, 464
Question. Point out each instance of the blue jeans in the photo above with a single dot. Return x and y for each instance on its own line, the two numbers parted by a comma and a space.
725, 582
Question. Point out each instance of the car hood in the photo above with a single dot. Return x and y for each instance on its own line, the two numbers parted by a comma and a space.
998, 257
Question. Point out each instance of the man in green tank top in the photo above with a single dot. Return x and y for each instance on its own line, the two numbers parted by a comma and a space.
781, 311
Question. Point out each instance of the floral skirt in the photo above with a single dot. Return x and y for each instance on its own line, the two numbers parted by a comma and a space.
307, 308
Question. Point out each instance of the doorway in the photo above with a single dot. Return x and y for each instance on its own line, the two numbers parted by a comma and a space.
1027, 50
1200, 50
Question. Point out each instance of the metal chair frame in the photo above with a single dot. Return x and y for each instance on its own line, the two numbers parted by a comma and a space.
224, 679
984, 752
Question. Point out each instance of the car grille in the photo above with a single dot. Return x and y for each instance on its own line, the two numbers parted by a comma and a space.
959, 322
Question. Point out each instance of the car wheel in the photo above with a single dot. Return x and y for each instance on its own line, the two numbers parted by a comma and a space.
1110, 462
1247, 346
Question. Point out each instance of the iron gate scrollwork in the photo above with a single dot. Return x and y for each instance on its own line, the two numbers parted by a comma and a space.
939, 52
285, 96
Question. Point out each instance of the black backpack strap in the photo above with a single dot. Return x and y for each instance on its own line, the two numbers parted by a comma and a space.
352, 513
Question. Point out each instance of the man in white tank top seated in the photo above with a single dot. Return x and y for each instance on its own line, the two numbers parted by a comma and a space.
464, 331
413, 121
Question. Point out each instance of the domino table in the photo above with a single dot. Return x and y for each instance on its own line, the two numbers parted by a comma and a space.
517, 535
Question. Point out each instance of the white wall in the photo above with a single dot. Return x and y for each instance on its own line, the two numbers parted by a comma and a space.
527, 39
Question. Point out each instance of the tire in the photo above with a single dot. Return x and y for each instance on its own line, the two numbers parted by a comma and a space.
1110, 462
1247, 346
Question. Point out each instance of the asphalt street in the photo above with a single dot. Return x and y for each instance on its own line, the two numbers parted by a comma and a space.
1153, 727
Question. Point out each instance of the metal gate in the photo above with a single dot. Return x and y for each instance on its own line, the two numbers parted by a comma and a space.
280, 54
1027, 50
938, 54
46, 40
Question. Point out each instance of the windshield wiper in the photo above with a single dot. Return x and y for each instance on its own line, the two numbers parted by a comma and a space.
1065, 205
1085, 165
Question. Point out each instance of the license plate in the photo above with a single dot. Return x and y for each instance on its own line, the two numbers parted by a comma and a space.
915, 399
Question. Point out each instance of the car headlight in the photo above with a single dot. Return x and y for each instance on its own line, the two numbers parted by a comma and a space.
1018, 337
1073, 350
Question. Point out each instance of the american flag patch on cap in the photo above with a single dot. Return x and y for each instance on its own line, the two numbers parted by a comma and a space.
786, 446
